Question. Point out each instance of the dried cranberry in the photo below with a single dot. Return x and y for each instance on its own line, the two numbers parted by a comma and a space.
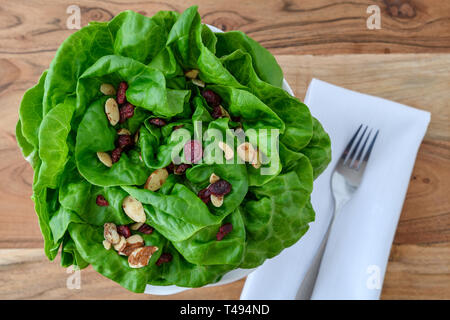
126, 111
101, 201
164, 258
180, 169
220, 188
124, 231
115, 154
205, 195
121, 92
124, 140
223, 231
212, 98
170, 167
157, 122
236, 119
193, 151
178, 127
217, 113
146, 229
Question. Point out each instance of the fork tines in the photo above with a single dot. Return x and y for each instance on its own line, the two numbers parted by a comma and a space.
354, 151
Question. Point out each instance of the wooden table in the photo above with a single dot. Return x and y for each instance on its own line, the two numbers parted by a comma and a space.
407, 60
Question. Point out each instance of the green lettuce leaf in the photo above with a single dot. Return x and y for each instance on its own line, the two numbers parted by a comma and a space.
94, 41
295, 114
88, 241
186, 40
30, 112
96, 135
235, 174
203, 248
182, 273
280, 214
53, 145
319, 149
263, 61
176, 215
146, 86
135, 30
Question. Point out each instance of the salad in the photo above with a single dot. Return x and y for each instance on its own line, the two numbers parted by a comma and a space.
167, 154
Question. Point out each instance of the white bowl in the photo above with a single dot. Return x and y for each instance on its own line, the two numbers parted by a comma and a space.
229, 277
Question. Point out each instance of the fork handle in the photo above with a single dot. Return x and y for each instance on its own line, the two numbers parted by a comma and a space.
307, 286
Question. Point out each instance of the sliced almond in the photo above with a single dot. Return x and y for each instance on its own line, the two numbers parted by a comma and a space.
107, 89
228, 152
133, 242
133, 209
112, 111
246, 152
257, 160
136, 136
192, 74
123, 131
198, 83
156, 179
135, 239
217, 201
141, 256
224, 112
130, 248
105, 158
121, 244
106, 244
110, 233
136, 226
213, 178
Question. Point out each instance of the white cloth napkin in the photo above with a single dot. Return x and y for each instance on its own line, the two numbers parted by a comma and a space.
354, 262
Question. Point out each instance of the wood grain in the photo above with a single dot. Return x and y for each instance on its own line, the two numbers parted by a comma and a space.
27, 274
418, 76
418, 272
283, 26
420, 81
415, 272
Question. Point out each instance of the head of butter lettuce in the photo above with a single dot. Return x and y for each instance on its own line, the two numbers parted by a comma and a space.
62, 124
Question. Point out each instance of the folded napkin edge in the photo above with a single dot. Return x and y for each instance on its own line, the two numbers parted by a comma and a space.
315, 81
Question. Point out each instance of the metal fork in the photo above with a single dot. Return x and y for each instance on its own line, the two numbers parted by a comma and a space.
345, 180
